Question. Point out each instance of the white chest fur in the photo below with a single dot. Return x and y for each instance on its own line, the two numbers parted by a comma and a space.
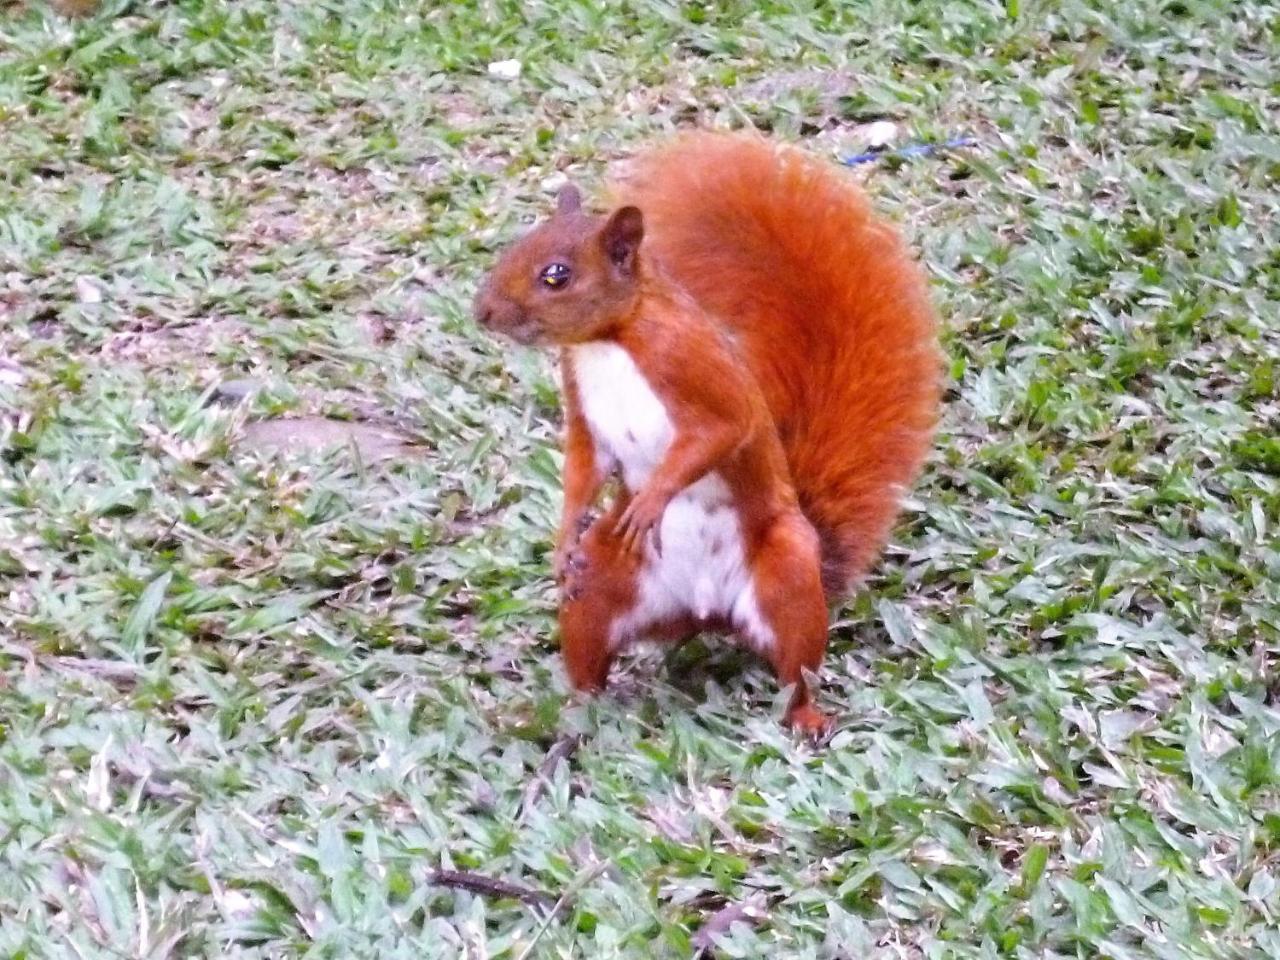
628, 422
703, 569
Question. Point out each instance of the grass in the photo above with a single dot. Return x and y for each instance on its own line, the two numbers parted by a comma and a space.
251, 703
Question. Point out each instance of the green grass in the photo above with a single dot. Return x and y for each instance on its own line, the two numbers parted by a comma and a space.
248, 704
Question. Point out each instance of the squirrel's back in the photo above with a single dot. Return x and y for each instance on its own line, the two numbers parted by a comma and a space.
830, 310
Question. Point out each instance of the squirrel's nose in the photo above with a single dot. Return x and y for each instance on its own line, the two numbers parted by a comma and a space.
496, 313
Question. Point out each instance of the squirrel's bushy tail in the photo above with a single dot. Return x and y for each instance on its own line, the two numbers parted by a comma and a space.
829, 308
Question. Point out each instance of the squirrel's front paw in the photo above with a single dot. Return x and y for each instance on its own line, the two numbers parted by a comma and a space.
642, 516
569, 567
567, 556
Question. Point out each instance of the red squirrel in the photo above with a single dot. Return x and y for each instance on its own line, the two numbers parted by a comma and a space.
754, 355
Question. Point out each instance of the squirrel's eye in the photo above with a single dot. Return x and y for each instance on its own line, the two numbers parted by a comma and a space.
555, 275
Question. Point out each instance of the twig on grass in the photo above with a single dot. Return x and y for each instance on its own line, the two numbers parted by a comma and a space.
567, 897
489, 887
117, 671
562, 749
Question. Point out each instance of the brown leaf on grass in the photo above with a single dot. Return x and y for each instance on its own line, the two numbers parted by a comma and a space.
751, 911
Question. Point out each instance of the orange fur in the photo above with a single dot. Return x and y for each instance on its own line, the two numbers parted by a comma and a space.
832, 314
784, 338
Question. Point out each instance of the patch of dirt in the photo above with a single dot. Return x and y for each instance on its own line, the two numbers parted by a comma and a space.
831, 85
302, 434
167, 345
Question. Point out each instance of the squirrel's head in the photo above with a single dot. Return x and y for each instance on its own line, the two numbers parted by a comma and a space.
566, 281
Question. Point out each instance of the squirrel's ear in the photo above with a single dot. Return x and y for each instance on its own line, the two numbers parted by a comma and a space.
569, 200
621, 236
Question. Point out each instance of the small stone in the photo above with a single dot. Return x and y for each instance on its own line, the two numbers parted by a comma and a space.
11, 375
554, 183
239, 906
880, 134
374, 328
88, 291
231, 392
505, 69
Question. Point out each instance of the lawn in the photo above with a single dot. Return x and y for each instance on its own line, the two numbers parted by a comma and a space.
264, 696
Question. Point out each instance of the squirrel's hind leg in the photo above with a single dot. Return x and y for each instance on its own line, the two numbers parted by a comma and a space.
790, 614
598, 593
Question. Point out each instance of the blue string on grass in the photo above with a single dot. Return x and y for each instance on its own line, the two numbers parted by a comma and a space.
911, 150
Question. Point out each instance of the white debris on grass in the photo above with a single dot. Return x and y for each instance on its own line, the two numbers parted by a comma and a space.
505, 69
